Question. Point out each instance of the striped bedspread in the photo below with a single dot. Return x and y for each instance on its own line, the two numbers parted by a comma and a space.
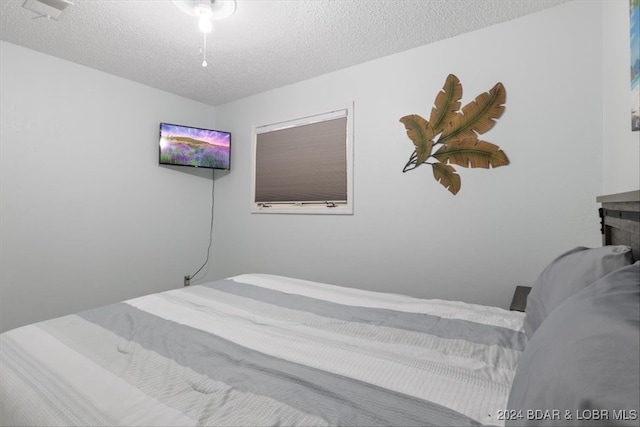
260, 350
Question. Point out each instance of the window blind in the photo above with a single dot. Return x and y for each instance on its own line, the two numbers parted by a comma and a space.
305, 163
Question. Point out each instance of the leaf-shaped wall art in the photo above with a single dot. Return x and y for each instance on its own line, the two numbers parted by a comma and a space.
453, 133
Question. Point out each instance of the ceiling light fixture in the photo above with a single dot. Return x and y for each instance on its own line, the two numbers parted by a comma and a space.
206, 11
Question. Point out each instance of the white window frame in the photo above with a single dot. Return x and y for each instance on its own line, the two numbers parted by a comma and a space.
300, 207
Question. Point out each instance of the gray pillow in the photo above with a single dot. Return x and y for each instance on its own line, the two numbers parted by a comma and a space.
569, 273
583, 364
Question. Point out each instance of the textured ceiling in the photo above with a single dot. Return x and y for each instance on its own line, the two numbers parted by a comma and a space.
266, 44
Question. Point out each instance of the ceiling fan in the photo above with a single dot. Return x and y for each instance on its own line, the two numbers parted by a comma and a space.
206, 11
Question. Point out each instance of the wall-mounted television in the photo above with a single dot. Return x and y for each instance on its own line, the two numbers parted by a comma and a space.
196, 147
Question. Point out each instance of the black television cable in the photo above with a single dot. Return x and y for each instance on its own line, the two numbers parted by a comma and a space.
187, 279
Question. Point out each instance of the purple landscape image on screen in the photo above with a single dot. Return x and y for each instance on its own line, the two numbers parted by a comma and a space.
190, 146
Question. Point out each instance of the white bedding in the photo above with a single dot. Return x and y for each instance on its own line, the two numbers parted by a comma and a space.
263, 350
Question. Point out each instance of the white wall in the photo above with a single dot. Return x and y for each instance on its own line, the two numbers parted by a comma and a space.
621, 156
87, 215
408, 234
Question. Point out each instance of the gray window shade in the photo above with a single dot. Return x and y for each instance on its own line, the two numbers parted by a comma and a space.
306, 163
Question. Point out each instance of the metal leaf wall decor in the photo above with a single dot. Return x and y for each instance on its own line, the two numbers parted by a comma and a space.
450, 136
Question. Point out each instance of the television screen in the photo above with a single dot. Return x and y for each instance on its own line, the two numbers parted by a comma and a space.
189, 146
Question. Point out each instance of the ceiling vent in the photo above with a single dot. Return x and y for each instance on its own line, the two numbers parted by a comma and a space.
52, 9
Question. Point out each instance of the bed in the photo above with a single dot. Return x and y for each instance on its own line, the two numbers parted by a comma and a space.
259, 349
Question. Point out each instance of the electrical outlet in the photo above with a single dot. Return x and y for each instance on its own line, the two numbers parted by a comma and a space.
187, 280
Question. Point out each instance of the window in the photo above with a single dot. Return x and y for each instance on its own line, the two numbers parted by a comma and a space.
304, 165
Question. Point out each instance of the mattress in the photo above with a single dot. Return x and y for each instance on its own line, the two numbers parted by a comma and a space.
264, 350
